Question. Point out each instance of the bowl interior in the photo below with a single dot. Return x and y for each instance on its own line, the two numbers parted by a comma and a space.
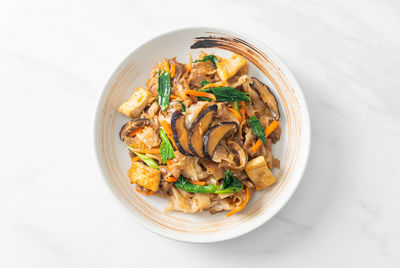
292, 150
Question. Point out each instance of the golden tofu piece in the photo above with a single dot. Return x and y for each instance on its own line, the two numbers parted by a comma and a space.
136, 103
229, 67
259, 173
144, 176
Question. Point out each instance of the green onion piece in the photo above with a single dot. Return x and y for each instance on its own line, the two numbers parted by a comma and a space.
183, 106
149, 161
211, 58
164, 89
166, 149
256, 127
235, 105
183, 184
225, 94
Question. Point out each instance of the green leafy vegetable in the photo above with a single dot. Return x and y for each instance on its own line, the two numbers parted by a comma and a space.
164, 89
187, 186
257, 128
224, 94
230, 184
149, 161
235, 105
183, 106
166, 150
211, 58
204, 82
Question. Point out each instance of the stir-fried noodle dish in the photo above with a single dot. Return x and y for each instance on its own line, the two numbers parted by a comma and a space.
200, 134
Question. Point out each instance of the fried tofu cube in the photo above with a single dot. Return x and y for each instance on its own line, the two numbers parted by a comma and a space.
259, 173
229, 67
144, 176
136, 103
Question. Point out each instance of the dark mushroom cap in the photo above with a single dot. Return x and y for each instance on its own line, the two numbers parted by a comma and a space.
266, 96
199, 127
180, 133
131, 126
215, 134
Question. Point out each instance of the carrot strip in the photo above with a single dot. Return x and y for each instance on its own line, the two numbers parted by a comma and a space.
171, 179
241, 205
190, 63
147, 151
243, 110
200, 94
268, 130
143, 193
172, 70
136, 158
274, 125
133, 133
164, 66
217, 84
202, 183
235, 113
168, 131
173, 97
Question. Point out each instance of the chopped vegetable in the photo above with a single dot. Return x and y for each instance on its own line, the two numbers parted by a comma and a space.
133, 133
166, 150
200, 94
164, 66
164, 89
224, 94
168, 131
209, 85
257, 129
243, 110
149, 161
190, 63
211, 58
187, 186
183, 106
180, 132
235, 113
172, 70
215, 134
230, 184
171, 179
241, 205
204, 82
143, 193
145, 151
271, 127
136, 158
199, 127
235, 105
128, 129
173, 96
202, 183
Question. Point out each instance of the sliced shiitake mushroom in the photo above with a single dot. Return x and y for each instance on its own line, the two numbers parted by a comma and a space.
180, 133
131, 126
215, 134
266, 96
199, 127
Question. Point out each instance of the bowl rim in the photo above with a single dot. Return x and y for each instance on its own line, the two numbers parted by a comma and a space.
302, 164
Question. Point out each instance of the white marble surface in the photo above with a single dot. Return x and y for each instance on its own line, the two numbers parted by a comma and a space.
55, 58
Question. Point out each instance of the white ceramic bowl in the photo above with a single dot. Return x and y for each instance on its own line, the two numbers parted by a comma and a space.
292, 150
